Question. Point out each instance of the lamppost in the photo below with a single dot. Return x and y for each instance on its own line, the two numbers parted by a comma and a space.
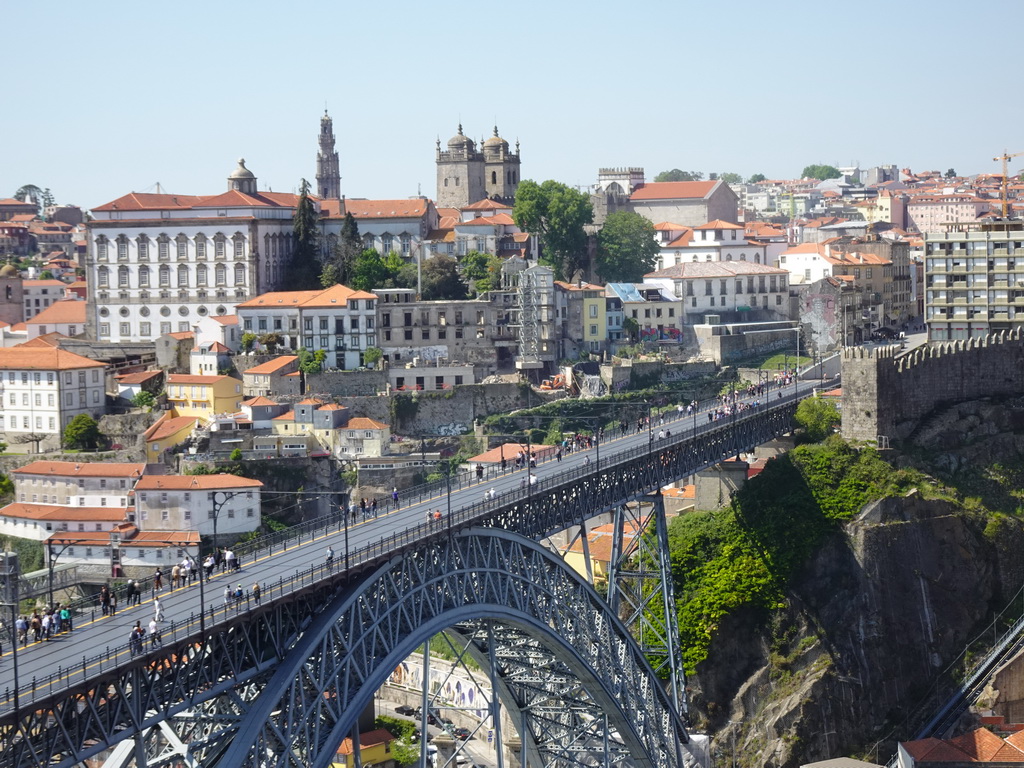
220, 498
10, 574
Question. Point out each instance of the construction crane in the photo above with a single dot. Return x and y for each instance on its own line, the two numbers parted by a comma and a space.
1005, 157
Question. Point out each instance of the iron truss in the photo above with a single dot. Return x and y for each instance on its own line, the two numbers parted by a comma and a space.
563, 660
203, 689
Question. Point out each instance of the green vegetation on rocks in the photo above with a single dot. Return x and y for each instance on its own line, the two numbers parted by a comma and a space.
743, 557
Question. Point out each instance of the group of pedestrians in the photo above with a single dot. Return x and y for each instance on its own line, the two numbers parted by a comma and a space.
43, 625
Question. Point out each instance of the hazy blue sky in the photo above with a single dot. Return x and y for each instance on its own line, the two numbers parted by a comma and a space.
101, 99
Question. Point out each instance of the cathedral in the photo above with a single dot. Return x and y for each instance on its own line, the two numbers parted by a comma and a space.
467, 175
328, 174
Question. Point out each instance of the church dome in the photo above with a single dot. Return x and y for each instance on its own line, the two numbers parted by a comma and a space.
241, 172
496, 140
460, 141
9, 270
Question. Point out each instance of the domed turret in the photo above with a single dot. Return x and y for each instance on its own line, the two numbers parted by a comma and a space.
495, 147
9, 270
461, 141
242, 179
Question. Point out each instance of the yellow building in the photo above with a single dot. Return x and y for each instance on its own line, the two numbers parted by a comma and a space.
166, 433
374, 749
203, 396
599, 544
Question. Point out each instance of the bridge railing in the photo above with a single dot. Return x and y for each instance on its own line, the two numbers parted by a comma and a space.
302, 533
227, 608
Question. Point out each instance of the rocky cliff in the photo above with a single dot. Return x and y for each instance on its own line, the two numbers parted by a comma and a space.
886, 601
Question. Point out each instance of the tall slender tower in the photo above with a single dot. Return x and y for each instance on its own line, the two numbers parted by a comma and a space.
328, 175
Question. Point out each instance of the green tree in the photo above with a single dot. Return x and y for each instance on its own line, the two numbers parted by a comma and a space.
756, 178
329, 275
731, 178
368, 271
626, 248
951, 173
271, 341
441, 279
482, 270
677, 175
248, 339
304, 269
821, 172
46, 275
236, 455
631, 328
372, 356
82, 432
6, 485
143, 399
311, 362
818, 417
556, 214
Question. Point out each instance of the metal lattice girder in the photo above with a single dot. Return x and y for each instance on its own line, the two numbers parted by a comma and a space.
91, 709
316, 694
640, 589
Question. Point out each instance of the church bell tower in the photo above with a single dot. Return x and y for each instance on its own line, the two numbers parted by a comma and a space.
328, 175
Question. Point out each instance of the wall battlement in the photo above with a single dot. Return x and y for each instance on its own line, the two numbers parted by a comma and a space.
888, 392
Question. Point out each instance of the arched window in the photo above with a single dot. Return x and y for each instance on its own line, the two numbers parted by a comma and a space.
239, 240
9, 292
143, 277
446, 181
101, 248
182, 276
122, 277
104, 277
200, 247
182, 243
122, 248
163, 245
143, 248
165, 276
239, 274
201, 274
728, 257
494, 177
218, 246
221, 275
385, 244
266, 274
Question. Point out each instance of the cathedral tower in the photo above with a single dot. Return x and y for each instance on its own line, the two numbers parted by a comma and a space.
328, 175
501, 169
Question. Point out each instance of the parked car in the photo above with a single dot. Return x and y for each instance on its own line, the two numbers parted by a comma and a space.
405, 709
460, 733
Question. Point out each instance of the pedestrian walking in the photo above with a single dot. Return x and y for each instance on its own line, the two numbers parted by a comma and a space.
373, 506
330, 558
21, 625
37, 626
430, 515
154, 634
227, 595
158, 579
256, 592
113, 603
47, 625
129, 592
135, 639
239, 594
209, 564
230, 559
158, 610
394, 496
104, 600
437, 516
186, 570
175, 576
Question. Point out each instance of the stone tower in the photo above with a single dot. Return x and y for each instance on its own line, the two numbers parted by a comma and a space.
12, 296
328, 174
242, 179
460, 173
501, 169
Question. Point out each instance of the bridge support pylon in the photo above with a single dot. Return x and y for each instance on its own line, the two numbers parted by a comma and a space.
640, 589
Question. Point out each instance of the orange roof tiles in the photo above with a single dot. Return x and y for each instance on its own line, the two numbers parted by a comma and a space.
257, 401
310, 401
486, 205
366, 740
194, 482
509, 451
274, 365
361, 422
81, 469
226, 319
43, 359
673, 190
181, 335
63, 312
336, 295
286, 416
719, 224
45, 340
170, 426
132, 537
705, 269
58, 512
376, 209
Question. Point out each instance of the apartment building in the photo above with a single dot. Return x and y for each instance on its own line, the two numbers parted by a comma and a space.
229, 504
974, 280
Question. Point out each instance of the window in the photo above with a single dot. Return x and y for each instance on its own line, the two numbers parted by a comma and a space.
218, 247
239, 274
221, 275
101, 248
182, 243
145, 329
103, 275
250, 512
143, 248
593, 310
125, 329
163, 248
200, 246
143, 277
182, 276
165, 276
239, 247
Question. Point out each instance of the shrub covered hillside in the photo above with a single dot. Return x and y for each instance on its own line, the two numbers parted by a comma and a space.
744, 556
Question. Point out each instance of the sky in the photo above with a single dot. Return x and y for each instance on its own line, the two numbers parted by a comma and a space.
103, 99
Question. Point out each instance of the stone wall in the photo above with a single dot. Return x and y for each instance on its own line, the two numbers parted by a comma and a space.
888, 393
347, 383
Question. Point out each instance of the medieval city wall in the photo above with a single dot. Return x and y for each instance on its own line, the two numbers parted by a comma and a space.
887, 392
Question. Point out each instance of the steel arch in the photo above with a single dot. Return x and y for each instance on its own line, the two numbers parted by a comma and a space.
315, 696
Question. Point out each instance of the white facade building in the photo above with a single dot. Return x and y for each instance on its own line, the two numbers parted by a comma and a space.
711, 287
338, 320
226, 503
43, 388
159, 263
39, 294
714, 241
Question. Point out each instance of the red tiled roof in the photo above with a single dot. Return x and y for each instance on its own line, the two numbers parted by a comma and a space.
81, 469
673, 190
361, 422
185, 378
43, 359
509, 451
63, 312
226, 319
57, 512
336, 295
170, 426
274, 365
719, 224
257, 401
193, 482
132, 537
140, 377
707, 269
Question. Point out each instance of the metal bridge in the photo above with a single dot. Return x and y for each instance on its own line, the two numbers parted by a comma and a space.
281, 682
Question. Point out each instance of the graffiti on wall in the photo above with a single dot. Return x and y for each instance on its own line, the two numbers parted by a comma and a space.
446, 684
452, 429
